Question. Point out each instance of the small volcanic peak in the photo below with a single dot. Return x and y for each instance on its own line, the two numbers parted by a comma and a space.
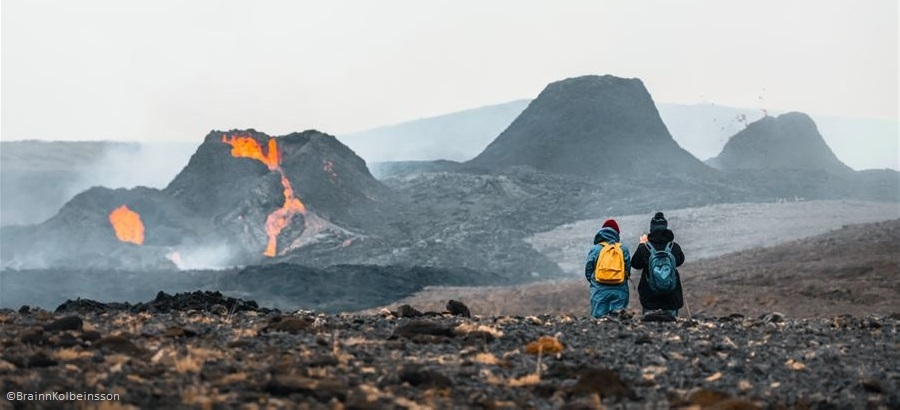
103, 227
788, 142
140, 216
591, 125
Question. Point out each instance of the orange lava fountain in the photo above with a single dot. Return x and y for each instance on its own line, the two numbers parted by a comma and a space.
127, 224
247, 147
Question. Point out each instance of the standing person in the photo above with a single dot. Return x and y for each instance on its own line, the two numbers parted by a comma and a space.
607, 269
659, 256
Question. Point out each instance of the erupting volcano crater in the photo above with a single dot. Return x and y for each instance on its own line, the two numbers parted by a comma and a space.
253, 195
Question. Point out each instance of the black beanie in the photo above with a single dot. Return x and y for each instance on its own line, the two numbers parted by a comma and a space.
658, 223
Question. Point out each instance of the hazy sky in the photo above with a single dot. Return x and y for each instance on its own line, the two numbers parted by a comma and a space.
161, 70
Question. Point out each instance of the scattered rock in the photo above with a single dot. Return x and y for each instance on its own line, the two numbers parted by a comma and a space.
66, 340
458, 308
322, 389
39, 359
90, 335
204, 301
178, 331
289, 324
408, 311
34, 337
219, 309
66, 323
871, 386
533, 320
602, 381
643, 339
418, 376
239, 344
422, 327
88, 306
119, 344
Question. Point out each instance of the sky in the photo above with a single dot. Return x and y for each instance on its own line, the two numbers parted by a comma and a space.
174, 70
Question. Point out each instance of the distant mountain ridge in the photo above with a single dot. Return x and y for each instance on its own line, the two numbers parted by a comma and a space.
456, 136
701, 129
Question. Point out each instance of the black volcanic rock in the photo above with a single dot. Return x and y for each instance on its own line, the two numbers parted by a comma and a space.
594, 126
345, 287
788, 142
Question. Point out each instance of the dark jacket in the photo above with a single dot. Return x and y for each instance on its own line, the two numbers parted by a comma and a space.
641, 259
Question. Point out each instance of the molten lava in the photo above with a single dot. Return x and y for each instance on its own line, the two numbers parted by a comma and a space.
127, 224
247, 147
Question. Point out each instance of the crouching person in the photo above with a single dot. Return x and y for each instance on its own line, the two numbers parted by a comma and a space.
659, 256
606, 270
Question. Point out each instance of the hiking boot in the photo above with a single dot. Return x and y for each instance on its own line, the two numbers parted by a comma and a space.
622, 314
609, 317
658, 316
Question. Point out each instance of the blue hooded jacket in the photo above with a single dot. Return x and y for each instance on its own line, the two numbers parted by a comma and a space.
601, 294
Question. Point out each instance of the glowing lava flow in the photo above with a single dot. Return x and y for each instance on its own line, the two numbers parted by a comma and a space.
247, 147
127, 224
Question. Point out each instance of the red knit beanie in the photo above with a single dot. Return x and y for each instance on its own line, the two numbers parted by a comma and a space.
611, 223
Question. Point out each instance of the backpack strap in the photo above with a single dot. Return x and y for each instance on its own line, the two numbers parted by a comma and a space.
669, 247
650, 247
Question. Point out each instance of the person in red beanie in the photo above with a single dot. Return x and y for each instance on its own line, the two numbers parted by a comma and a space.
611, 223
607, 269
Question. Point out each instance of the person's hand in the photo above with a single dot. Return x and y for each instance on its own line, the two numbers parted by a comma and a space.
644, 239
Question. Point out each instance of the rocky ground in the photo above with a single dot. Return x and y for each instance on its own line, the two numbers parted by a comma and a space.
852, 270
204, 350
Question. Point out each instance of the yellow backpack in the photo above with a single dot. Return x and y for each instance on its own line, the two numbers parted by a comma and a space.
610, 267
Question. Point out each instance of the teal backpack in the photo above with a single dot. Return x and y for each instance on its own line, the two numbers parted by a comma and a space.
663, 277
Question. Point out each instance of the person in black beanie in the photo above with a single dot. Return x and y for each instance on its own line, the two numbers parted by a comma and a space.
660, 239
